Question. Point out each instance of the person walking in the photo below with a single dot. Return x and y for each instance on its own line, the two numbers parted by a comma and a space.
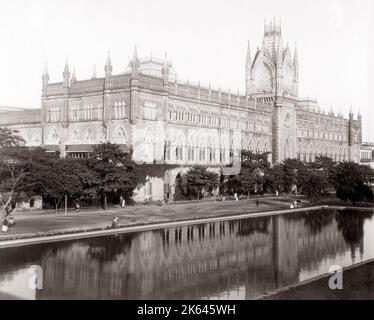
77, 206
122, 201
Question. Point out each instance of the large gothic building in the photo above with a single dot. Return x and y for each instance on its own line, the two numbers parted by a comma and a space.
166, 120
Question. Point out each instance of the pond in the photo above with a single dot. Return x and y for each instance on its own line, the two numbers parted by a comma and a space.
235, 259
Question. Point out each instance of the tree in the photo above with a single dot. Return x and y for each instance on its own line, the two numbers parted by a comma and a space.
261, 159
113, 171
351, 182
10, 138
254, 168
15, 165
315, 184
275, 178
328, 166
56, 178
198, 179
294, 174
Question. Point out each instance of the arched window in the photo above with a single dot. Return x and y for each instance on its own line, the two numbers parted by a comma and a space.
54, 114
89, 135
54, 136
167, 150
258, 147
148, 147
266, 147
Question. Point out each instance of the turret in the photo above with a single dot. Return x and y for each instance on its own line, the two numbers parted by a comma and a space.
279, 69
350, 115
296, 62
165, 69
73, 77
65, 85
94, 72
135, 64
359, 119
66, 75
134, 83
331, 112
108, 68
248, 65
296, 71
359, 116
45, 79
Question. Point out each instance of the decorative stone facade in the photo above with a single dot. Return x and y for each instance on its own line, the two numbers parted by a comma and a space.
166, 120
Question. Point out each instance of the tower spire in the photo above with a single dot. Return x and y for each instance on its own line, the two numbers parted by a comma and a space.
45, 70
135, 64
248, 60
73, 76
165, 61
108, 67
66, 74
248, 65
94, 72
296, 60
165, 68
45, 78
135, 54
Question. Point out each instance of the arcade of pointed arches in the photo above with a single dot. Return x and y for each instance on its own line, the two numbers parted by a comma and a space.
202, 147
308, 152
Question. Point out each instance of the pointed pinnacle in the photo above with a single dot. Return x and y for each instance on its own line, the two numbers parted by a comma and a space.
45, 71
108, 60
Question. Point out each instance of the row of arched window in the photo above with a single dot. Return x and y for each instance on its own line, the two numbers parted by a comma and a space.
85, 112
204, 118
311, 157
322, 118
119, 110
196, 154
204, 153
313, 134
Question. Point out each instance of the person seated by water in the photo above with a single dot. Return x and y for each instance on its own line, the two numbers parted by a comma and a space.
298, 204
115, 223
4, 225
291, 205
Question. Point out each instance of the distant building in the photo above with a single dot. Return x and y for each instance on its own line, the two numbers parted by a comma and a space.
367, 154
167, 120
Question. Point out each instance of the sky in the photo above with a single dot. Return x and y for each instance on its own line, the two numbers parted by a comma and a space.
206, 40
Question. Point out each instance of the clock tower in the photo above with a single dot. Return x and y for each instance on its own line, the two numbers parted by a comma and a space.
273, 77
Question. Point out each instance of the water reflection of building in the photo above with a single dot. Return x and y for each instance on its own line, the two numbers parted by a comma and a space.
195, 261
258, 254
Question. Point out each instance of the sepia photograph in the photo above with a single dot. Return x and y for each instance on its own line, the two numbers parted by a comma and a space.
187, 155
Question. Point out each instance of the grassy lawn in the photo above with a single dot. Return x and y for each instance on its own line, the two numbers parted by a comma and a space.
95, 219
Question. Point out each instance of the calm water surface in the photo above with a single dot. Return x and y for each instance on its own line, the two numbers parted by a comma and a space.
237, 259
